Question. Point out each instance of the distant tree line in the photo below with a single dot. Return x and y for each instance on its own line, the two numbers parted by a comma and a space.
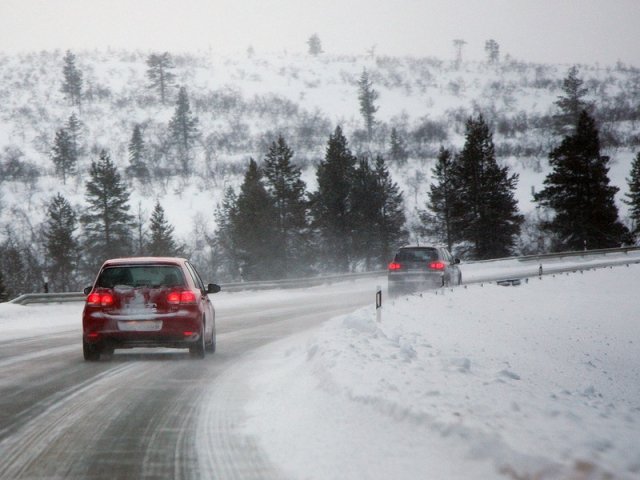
273, 227
472, 208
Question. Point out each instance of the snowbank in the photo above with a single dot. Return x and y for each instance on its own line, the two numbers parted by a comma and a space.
536, 381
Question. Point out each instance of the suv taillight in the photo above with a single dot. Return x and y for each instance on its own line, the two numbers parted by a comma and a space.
395, 266
181, 297
103, 299
436, 266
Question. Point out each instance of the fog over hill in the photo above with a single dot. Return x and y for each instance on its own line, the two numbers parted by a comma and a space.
243, 104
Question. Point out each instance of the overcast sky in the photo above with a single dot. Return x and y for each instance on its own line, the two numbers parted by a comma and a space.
558, 31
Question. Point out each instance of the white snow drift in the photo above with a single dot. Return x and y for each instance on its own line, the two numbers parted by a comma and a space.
536, 381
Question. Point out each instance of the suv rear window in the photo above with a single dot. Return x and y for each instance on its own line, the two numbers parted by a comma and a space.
417, 255
141, 275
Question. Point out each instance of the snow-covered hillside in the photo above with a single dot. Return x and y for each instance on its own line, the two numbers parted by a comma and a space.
242, 104
536, 381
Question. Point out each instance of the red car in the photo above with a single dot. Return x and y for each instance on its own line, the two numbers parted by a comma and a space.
148, 302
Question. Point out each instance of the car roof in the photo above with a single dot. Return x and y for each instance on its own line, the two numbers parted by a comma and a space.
143, 261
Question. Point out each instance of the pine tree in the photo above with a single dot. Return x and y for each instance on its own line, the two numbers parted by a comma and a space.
397, 150
72, 82
61, 245
64, 154
571, 104
315, 45
633, 197
458, 44
437, 220
485, 214
160, 75
162, 243
367, 97
493, 51
254, 228
578, 191
107, 222
288, 193
183, 129
331, 203
137, 167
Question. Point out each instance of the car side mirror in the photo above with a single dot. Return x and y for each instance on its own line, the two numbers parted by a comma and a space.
213, 288
456, 261
87, 290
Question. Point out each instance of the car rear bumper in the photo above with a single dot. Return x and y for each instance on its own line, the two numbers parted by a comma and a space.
415, 281
117, 331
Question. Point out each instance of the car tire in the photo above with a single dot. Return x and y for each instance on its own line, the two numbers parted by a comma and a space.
198, 350
90, 351
211, 346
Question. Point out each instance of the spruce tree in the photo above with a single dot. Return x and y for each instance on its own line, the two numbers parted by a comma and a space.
61, 245
72, 80
485, 214
64, 154
633, 196
183, 129
437, 219
571, 104
365, 208
331, 203
397, 150
315, 45
162, 242
107, 222
578, 191
160, 74
492, 48
225, 252
4, 295
74, 128
137, 167
367, 97
20, 266
390, 217
255, 228
288, 193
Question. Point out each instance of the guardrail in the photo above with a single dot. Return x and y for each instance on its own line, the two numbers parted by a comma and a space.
559, 255
29, 298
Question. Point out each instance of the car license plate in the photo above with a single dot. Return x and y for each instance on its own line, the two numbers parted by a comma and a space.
140, 325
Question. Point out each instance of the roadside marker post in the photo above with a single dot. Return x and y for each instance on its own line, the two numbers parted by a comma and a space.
378, 304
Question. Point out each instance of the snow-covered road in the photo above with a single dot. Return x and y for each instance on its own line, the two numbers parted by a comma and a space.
154, 414
540, 381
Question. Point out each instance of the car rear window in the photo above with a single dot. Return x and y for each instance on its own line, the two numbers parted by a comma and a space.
141, 275
417, 255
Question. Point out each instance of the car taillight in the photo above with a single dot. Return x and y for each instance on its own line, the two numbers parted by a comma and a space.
104, 299
395, 266
436, 266
181, 297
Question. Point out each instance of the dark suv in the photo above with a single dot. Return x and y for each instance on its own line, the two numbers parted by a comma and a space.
415, 268
148, 302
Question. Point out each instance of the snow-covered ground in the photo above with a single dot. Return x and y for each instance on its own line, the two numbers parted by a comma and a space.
536, 381
540, 380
